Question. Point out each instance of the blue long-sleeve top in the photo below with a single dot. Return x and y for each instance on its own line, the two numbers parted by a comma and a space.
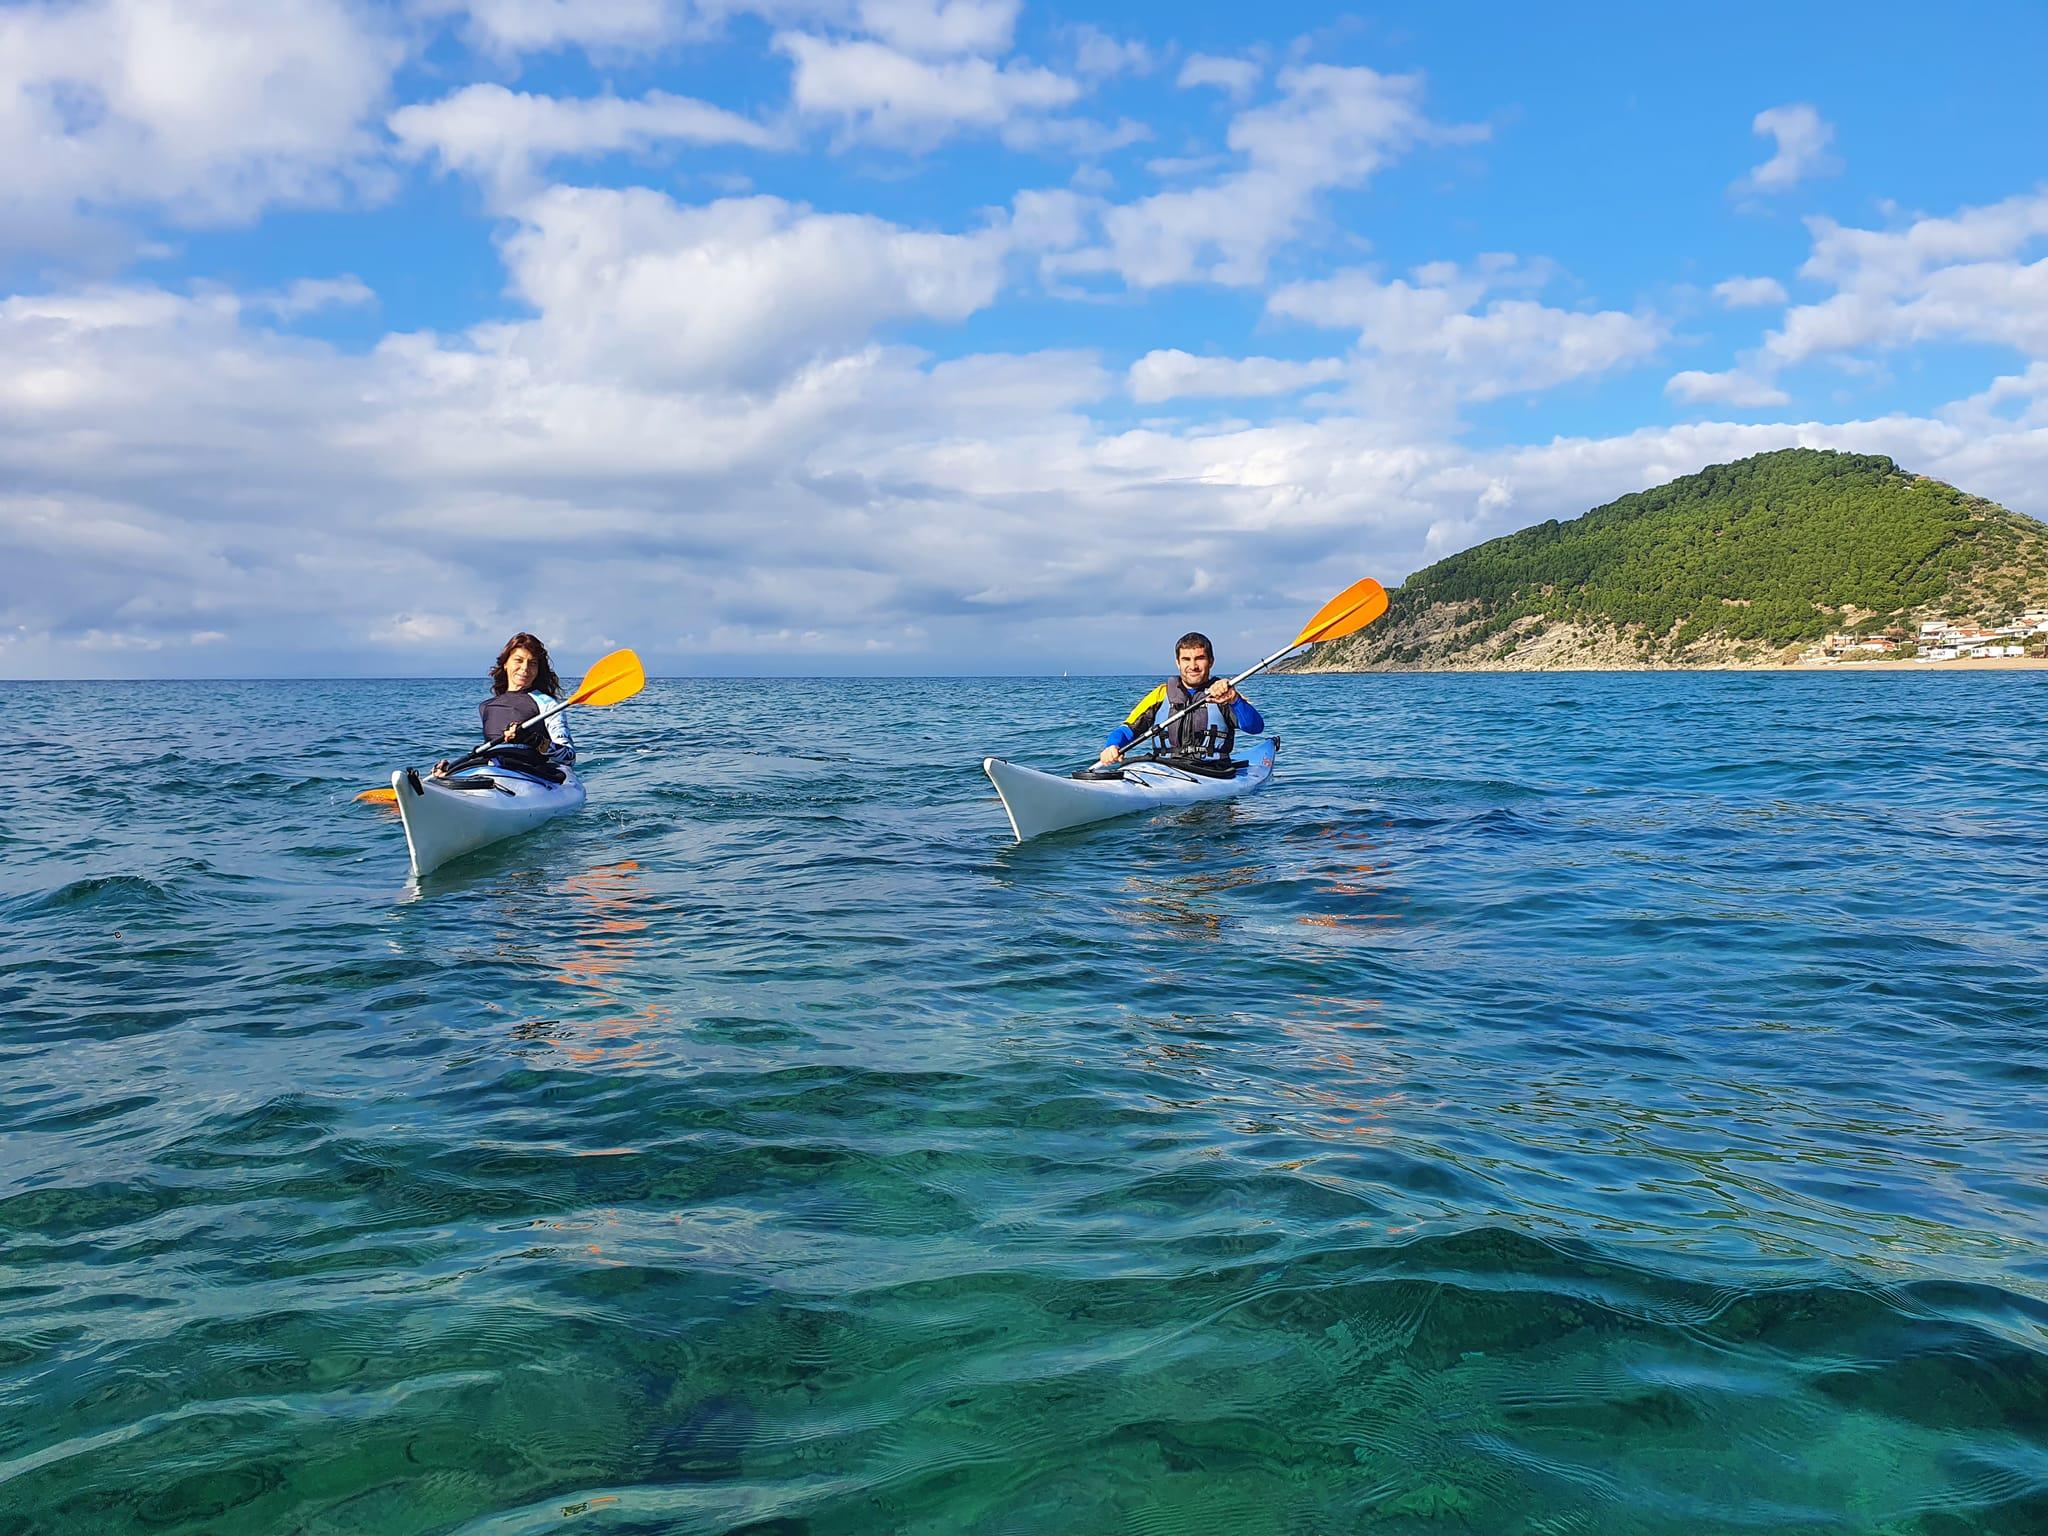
1140, 719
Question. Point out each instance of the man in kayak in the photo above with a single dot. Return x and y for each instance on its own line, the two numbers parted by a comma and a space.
523, 685
1209, 731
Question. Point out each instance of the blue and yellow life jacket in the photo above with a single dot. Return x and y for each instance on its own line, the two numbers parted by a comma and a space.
1209, 731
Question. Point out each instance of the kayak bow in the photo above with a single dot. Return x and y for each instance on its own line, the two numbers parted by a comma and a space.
1037, 803
471, 809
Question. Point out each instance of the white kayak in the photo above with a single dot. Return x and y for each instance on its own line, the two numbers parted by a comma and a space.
475, 807
1044, 802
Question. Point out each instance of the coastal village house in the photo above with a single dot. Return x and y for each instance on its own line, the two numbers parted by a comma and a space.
1939, 640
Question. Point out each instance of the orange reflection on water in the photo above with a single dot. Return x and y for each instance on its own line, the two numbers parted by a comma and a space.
604, 1218
594, 1042
1183, 903
1343, 1090
1337, 1086
1351, 1012
1354, 884
610, 940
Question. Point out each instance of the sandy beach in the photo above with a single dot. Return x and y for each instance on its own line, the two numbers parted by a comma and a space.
1960, 664
1970, 664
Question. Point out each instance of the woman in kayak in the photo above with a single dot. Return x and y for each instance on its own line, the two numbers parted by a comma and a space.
525, 686
1208, 731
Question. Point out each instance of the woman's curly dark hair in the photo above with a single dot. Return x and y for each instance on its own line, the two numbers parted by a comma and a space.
544, 679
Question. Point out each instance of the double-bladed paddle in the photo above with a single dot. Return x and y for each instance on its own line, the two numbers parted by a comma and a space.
1345, 614
610, 680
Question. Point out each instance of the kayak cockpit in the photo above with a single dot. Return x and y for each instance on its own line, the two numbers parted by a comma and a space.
1201, 767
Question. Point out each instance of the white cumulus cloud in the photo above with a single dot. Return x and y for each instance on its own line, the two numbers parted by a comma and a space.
2026, 392
941, 26
1236, 78
741, 291
876, 92
1893, 260
1329, 127
1171, 374
536, 26
502, 136
208, 110
1802, 137
605, 28
309, 295
1438, 329
1731, 388
1959, 277
1096, 52
1750, 292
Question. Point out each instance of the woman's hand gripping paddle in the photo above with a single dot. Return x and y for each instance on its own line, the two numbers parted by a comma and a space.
611, 680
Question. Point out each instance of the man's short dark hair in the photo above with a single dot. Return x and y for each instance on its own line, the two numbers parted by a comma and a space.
1195, 640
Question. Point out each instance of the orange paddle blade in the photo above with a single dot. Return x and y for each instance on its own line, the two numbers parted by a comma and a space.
1346, 613
384, 796
611, 679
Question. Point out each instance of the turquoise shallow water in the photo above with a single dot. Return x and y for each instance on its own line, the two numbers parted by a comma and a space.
1561, 1105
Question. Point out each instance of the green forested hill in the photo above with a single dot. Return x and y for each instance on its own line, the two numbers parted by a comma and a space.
1745, 560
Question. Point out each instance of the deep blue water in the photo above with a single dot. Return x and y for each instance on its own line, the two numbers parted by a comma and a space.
1561, 1104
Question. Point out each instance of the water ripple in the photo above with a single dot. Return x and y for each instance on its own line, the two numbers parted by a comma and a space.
1563, 1105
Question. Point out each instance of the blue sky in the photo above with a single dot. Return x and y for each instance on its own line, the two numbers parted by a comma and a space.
950, 335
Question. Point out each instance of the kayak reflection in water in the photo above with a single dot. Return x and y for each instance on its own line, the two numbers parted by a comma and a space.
1208, 732
524, 686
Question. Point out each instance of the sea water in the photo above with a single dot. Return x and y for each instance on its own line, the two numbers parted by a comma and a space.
1559, 1104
